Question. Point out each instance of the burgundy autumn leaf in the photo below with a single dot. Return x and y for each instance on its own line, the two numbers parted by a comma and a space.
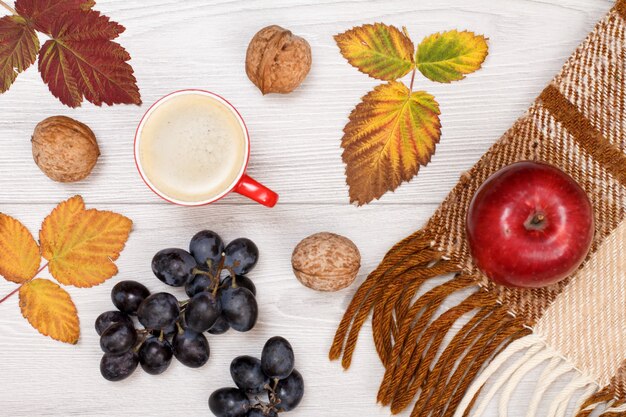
42, 12
81, 60
18, 49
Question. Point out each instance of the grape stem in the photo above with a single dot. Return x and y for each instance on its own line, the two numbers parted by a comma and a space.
142, 336
266, 408
232, 275
220, 267
180, 328
9, 8
274, 400
6, 297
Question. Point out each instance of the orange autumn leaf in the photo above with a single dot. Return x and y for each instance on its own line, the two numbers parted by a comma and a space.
390, 134
50, 310
19, 253
57, 226
82, 245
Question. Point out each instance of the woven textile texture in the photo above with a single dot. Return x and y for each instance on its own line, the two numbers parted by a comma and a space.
577, 124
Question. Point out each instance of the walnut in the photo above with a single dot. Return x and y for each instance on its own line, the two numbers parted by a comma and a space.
65, 149
277, 61
326, 262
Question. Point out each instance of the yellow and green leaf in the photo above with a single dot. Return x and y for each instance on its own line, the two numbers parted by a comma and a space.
82, 245
449, 56
380, 51
390, 134
50, 310
19, 253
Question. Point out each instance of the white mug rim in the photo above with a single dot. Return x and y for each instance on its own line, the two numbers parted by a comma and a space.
145, 118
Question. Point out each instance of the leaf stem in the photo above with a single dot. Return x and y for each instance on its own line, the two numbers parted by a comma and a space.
10, 294
12, 10
6, 297
412, 78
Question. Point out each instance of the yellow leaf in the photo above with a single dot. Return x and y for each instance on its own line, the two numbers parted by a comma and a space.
378, 50
448, 56
82, 245
57, 226
19, 253
390, 133
50, 310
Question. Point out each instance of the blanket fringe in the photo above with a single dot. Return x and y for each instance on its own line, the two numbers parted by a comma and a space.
604, 396
409, 332
414, 256
530, 352
448, 378
615, 409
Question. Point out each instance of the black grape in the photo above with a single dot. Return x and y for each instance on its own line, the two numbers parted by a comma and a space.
221, 326
229, 402
206, 246
197, 284
128, 295
202, 311
277, 358
108, 318
242, 281
290, 391
118, 338
173, 266
117, 367
255, 412
158, 311
241, 255
248, 376
191, 348
155, 355
239, 308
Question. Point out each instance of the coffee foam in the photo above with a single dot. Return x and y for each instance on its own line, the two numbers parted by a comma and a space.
192, 147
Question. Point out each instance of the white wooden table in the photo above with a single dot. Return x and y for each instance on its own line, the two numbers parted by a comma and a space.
295, 150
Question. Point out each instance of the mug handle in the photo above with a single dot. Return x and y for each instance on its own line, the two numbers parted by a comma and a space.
256, 191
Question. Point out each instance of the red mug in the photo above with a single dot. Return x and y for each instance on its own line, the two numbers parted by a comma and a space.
242, 184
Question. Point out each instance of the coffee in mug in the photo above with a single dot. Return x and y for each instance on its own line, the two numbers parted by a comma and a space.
192, 148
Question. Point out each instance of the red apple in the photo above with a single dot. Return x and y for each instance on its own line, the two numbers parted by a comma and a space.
529, 225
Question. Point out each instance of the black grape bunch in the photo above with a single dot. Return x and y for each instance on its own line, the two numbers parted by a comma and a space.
222, 297
273, 377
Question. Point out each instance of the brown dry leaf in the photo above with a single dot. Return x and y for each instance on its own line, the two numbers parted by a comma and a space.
390, 134
19, 253
82, 245
50, 310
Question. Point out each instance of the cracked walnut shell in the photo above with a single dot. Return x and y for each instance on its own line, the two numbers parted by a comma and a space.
326, 262
65, 149
277, 61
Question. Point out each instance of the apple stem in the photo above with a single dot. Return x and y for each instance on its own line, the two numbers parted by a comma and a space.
536, 221
538, 218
